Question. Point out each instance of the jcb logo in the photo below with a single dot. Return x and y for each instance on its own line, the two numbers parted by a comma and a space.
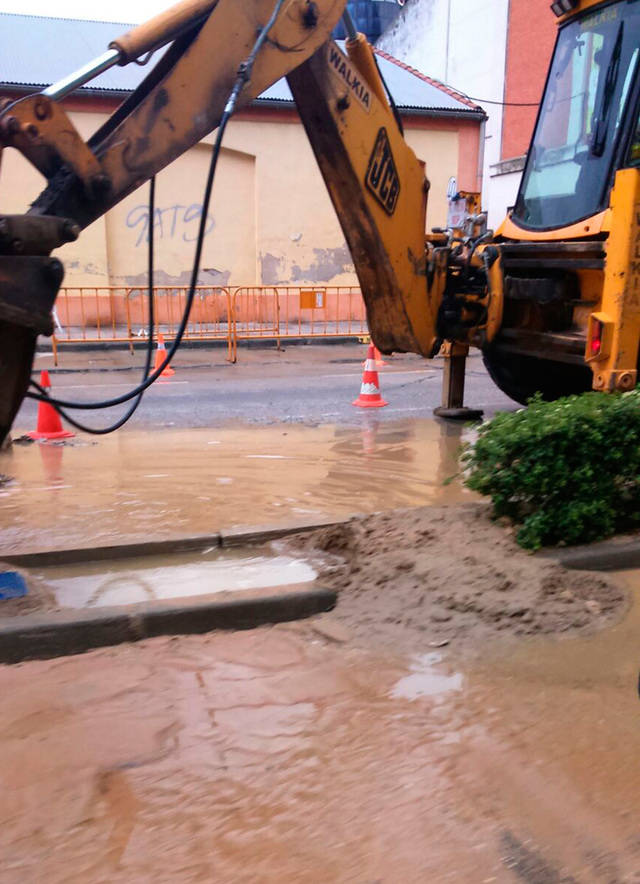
382, 176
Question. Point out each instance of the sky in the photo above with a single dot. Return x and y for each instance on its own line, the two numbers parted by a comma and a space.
115, 10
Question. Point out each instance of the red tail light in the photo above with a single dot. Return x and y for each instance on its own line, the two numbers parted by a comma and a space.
600, 336
597, 329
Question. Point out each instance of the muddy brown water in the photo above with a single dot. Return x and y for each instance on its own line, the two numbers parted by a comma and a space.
138, 485
278, 755
150, 578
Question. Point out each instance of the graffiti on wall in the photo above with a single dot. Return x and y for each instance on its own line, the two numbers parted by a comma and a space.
172, 222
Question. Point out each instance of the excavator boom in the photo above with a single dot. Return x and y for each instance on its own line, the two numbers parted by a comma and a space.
375, 180
550, 299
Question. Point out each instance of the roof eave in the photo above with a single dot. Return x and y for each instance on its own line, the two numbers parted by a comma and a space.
447, 112
122, 94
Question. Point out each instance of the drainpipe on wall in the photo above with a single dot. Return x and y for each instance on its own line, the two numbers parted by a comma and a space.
481, 150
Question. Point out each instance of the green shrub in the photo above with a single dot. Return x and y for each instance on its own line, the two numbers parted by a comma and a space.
566, 471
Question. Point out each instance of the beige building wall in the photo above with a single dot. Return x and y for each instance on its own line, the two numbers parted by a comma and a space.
271, 220
230, 247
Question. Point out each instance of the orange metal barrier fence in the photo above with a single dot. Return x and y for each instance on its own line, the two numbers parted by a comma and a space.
285, 312
119, 314
112, 314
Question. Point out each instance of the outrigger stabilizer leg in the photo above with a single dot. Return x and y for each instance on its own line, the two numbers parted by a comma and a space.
453, 407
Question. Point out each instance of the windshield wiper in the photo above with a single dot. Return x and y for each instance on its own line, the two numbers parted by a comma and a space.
604, 111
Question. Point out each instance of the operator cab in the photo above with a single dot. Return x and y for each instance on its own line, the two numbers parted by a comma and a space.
589, 120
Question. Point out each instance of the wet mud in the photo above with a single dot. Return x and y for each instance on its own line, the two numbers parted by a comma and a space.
440, 575
139, 485
296, 754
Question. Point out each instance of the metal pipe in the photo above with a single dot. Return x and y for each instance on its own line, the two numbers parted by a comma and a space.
350, 28
162, 29
142, 39
73, 81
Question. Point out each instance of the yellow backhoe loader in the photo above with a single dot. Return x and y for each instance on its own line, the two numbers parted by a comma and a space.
552, 298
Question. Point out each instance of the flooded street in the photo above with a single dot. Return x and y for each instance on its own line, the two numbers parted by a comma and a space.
282, 755
369, 745
566, 715
137, 485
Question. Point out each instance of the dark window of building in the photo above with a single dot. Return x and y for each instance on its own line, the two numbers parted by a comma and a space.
371, 17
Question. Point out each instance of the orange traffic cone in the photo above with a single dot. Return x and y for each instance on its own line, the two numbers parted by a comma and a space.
49, 423
370, 391
161, 355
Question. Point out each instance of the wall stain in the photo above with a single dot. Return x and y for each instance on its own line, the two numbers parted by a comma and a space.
328, 264
271, 269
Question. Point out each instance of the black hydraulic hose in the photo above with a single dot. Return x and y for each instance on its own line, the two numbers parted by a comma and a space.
102, 431
144, 385
349, 26
244, 74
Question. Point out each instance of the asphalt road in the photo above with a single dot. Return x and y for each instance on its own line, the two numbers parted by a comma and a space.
307, 385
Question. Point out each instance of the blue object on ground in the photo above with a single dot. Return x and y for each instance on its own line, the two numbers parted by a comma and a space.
12, 585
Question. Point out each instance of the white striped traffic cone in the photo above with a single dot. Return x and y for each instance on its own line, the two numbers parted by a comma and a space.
161, 355
370, 391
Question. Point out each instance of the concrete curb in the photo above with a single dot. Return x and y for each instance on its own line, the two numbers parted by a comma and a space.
44, 558
616, 554
222, 539
608, 555
218, 344
93, 369
264, 534
43, 636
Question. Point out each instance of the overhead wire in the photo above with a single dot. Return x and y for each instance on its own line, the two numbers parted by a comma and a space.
243, 76
504, 103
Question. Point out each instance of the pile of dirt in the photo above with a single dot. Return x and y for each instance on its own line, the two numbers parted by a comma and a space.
39, 597
450, 573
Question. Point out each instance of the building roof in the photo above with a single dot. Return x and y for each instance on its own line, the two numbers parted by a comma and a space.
39, 50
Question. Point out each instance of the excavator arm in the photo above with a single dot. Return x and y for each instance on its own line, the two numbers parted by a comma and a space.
378, 188
180, 101
377, 184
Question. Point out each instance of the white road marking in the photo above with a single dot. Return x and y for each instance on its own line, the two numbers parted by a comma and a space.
110, 386
424, 371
